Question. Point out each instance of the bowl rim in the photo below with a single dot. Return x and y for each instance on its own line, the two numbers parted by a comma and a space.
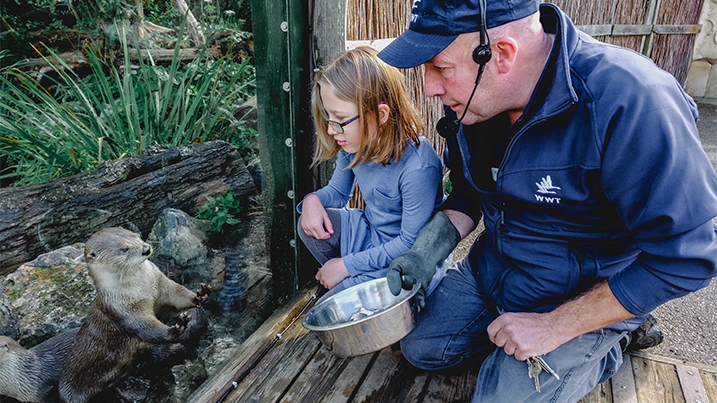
408, 297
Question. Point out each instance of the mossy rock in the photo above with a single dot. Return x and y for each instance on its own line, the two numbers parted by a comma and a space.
51, 294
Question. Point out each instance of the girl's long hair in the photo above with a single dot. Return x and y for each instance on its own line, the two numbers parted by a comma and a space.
359, 76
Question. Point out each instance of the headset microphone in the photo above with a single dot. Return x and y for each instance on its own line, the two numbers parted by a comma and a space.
446, 126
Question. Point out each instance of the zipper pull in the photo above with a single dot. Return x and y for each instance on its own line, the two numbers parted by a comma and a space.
502, 218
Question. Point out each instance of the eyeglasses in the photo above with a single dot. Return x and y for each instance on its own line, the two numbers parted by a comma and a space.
338, 126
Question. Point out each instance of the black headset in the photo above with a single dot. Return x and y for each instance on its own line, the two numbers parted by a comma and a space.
447, 127
482, 54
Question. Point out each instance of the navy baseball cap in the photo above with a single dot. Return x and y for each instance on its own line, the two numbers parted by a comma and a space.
436, 23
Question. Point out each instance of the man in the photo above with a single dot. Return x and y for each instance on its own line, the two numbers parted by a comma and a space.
583, 160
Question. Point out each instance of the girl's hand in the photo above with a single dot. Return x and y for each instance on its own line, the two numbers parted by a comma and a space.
332, 273
314, 219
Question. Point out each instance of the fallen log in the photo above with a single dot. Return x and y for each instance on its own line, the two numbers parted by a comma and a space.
75, 59
192, 23
164, 55
129, 192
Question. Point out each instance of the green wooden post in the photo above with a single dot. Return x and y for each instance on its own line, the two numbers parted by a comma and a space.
282, 75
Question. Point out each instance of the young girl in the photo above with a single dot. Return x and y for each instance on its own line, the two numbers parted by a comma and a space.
365, 118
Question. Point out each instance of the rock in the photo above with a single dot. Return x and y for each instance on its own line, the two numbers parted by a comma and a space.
50, 294
178, 242
131, 389
257, 172
8, 318
185, 379
218, 352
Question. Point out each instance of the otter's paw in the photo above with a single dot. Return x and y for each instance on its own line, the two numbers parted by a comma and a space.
203, 294
181, 325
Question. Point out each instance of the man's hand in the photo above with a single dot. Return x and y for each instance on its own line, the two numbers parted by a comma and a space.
435, 241
332, 273
524, 335
408, 269
531, 334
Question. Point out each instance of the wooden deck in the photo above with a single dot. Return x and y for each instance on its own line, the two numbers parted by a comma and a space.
283, 362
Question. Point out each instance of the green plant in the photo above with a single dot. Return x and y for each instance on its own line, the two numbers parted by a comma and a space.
22, 22
221, 211
115, 112
447, 187
162, 12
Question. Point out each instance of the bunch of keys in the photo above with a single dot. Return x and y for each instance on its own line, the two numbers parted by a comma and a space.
536, 365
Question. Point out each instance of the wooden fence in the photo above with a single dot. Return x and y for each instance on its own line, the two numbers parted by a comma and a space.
664, 30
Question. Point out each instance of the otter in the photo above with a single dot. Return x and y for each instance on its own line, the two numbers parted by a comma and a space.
123, 324
32, 375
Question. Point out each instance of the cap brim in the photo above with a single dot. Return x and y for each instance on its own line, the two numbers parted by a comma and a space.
414, 48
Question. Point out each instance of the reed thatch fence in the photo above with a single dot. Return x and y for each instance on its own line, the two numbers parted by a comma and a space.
664, 30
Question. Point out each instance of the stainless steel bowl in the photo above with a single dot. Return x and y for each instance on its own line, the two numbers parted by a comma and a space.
363, 318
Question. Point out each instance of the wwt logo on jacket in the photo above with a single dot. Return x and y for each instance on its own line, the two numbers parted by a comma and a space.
546, 187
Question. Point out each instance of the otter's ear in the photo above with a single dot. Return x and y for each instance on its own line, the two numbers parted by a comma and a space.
90, 256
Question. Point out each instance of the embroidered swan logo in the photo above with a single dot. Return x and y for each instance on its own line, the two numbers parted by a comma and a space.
546, 186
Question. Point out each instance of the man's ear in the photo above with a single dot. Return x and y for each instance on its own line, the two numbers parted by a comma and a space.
506, 52
384, 112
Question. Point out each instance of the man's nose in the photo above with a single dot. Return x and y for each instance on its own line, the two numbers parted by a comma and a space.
431, 85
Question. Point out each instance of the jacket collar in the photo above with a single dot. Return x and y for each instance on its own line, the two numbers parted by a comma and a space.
554, 92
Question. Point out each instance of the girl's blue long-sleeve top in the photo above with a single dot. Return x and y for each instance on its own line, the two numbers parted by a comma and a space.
400, 197
603, 178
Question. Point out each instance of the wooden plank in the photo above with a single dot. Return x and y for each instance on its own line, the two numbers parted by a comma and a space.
656, 382
652, 6
391, 379
612, 20
377, 44
691, 382
631, 29
278, 369
251, 350
709, 379
451, 387
623, 383
596, 30
639, 29
602, 393
693, 29
329, 35
329, 29
328, 379
673, 361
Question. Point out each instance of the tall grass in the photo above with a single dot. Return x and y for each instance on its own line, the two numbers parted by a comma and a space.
116, 111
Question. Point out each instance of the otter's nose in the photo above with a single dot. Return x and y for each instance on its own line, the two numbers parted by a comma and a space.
146, 250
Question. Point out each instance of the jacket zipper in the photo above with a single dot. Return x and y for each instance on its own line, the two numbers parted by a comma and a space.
502, 228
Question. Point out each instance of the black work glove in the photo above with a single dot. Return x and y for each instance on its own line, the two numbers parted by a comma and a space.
435, 241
